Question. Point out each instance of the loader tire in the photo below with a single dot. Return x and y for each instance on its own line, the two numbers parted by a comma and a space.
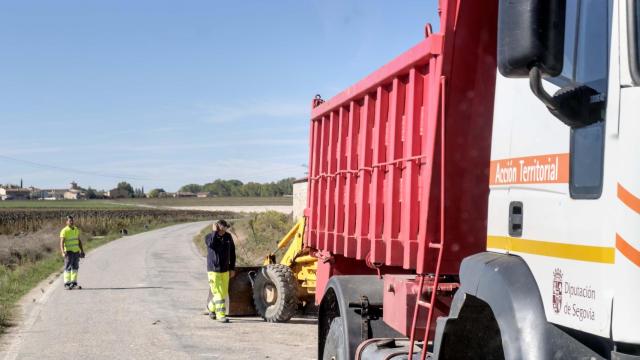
275, 293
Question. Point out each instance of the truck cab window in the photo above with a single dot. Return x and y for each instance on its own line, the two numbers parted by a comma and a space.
586, 62
633, 19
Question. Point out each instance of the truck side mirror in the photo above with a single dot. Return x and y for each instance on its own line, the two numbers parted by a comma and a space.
531, 44
530, 33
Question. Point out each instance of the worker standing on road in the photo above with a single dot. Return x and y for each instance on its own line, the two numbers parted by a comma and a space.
221, 262
72, 251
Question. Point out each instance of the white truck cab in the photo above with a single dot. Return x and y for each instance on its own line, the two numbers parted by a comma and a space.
565, 165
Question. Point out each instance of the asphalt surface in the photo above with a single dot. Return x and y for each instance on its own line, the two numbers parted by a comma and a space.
143, 297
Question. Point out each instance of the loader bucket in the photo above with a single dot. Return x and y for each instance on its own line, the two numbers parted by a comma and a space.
241, 293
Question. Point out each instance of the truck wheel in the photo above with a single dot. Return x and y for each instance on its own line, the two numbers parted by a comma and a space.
275, 293
334, 343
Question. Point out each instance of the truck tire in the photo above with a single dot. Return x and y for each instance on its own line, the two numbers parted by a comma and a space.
334, 343
275, 293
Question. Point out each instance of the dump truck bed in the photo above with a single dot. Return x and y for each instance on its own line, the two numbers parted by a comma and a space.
374, 177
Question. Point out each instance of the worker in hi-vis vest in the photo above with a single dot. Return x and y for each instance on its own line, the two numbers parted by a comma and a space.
221, 262
72, 251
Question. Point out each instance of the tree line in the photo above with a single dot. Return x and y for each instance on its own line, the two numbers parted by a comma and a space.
236, 188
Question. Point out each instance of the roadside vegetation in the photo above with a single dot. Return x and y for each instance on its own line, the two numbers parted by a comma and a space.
255, 236
29, 242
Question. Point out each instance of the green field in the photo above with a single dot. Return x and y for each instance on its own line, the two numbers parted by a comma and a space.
127, 203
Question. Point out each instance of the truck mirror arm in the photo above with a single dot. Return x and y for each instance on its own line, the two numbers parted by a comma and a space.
535, 82
576, 105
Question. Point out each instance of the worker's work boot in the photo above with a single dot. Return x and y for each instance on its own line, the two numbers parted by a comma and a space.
212, 315
224, 319
75, 285
67, 286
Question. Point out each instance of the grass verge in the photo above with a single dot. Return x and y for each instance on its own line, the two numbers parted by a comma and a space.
18, 281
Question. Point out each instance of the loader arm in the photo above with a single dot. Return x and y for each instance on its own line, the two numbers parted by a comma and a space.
293, 241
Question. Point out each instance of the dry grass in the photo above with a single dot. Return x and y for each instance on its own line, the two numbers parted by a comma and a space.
28, 247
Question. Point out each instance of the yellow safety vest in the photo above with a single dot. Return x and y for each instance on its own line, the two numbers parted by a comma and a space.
71, 238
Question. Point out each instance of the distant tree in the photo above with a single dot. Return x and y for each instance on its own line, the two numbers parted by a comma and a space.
193, 188
91, 193
138, 193
156, 193
221, 187
251, 189
285, 186
126, 187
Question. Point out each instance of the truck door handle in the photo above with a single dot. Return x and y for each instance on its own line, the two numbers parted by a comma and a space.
516, 214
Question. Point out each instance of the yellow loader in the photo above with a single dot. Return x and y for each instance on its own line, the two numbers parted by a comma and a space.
279, 288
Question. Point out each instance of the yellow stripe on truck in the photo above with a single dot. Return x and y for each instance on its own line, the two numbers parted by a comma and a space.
597, 254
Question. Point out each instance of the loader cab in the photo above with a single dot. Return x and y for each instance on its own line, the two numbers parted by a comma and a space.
564, 172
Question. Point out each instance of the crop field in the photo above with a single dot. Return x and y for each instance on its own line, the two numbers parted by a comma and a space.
214, 201
62, 204
94, 221
159, 202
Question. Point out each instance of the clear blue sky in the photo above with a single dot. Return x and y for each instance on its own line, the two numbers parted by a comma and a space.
165, 93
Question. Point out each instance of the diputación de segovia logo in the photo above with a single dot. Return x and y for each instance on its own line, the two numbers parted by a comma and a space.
557, 290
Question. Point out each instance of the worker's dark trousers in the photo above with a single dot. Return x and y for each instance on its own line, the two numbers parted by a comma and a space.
71, 265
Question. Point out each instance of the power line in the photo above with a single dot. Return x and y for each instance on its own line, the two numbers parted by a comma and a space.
76, 171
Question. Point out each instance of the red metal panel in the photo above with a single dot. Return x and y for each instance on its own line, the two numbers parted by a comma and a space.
330, 179
411, 175
312, 194
365, 155
340, 181
322, 190
351, 242
393, 245
376, 222
431, 99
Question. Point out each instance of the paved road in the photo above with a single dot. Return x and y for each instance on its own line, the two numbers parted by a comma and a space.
143, 298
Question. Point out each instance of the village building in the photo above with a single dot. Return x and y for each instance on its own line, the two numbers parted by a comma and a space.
11, 193
117, 194
299, 198
50, 194
75, 192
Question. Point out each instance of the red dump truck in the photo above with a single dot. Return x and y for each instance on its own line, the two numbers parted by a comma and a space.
420, 175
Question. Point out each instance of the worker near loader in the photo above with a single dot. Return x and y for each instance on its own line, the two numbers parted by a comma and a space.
221, 263
72, 251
